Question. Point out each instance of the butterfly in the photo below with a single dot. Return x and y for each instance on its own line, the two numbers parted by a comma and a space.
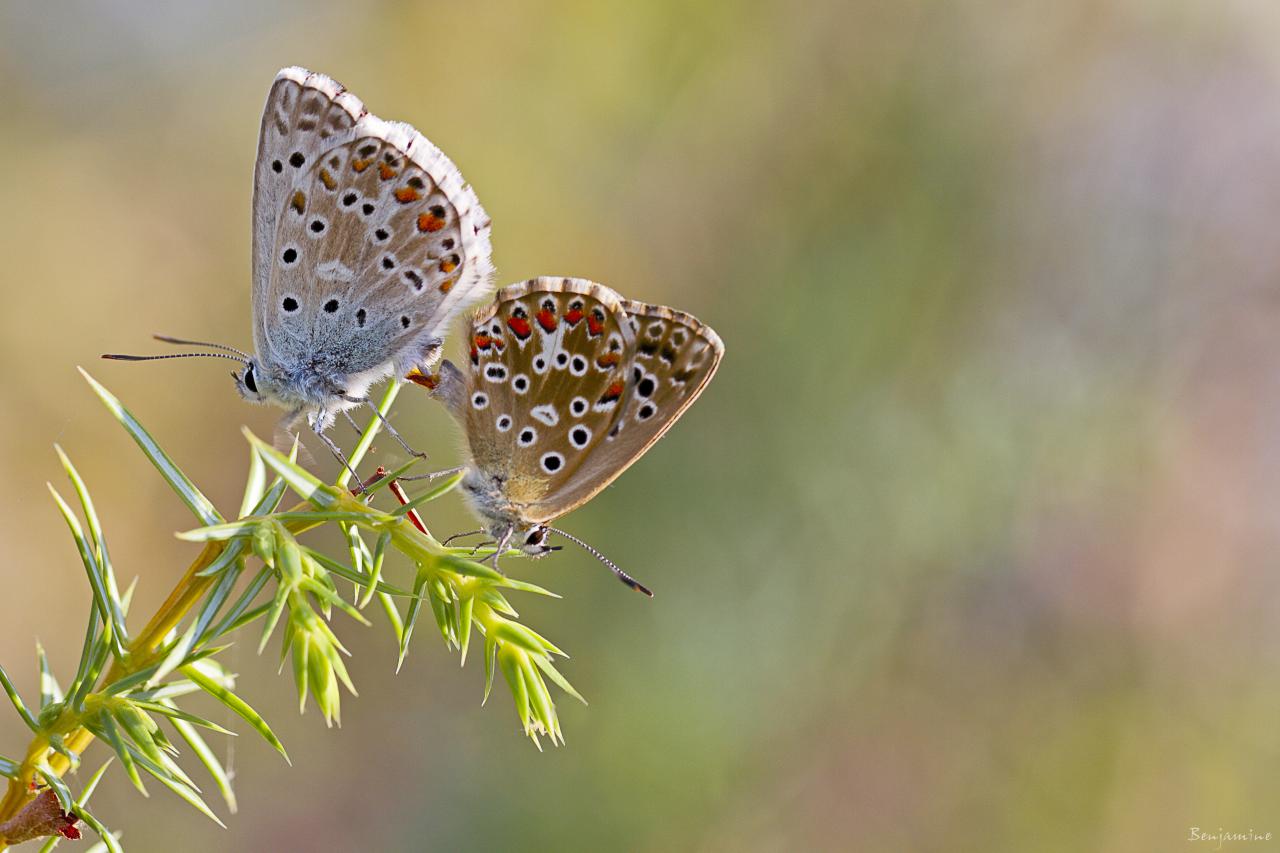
567, 385
366, 244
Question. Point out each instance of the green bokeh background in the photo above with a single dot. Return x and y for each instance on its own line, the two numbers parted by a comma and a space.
969, 546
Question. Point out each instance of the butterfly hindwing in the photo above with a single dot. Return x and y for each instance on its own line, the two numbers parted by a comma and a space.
545, 384
377, 243
675, 356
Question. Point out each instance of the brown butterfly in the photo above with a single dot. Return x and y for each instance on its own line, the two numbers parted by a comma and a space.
568, 385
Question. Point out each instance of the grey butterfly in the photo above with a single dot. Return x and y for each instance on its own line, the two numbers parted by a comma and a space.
568, 385
366, 244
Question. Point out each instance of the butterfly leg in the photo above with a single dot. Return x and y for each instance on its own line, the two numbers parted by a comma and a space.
435, 475
386, 424
503, 541
338, 454
460, 535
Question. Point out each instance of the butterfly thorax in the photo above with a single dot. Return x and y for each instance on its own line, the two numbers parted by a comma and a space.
490, 497
315, 389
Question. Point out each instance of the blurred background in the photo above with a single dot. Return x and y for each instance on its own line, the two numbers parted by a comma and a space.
971, 544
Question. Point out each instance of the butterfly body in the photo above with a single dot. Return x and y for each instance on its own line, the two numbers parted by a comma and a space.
567, 385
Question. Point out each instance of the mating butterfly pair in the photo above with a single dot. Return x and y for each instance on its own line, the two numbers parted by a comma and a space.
367, 243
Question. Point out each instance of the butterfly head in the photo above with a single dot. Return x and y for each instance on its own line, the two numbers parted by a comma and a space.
249, 382
532, 540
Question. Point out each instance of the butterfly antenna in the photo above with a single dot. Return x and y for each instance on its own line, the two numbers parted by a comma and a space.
622, 576
181, 342
119, 357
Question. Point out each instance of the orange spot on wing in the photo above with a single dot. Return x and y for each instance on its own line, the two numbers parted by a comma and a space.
447, 284
483, 341
520, 326
386, 172
447, 266
609, 359
298, 202
327, 179
547, 320
613, 392
404, 195
429, 222
360, 165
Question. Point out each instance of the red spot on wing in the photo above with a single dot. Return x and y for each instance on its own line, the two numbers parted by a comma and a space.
594, 325
611, 393
609, 359
475, 355
573, 316
547, 320
483, 341
520, 326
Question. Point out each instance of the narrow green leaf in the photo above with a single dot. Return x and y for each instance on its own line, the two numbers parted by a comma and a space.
50, 692
18, 704
431, 494
466, 608
549, 668
331, 565
220, 593
221, 532
255, 486
96, 537
109, 608
539, 697
80, 685
518, 635
10, 768
470, 568
237, 706
172, 474
299, 479
107, 731
186, 792
231, 552
60, 789
169, 709
242, 603
176, 656
393, 617
211, 764
415, 606
508, 660
490, 652
375, 570
135, 725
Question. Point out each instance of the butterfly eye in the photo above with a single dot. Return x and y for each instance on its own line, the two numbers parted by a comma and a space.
536, 537
249, 381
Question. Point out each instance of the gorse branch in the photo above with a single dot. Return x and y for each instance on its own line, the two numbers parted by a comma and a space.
128, 688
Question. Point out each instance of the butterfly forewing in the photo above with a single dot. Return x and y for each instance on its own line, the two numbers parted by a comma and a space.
546, 383
305, 115
675, 356
375, 242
